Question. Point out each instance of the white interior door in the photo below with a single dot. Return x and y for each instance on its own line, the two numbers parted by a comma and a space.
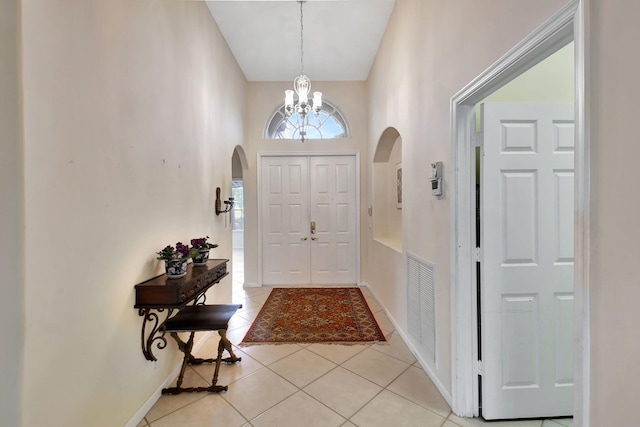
527, 260
297, 191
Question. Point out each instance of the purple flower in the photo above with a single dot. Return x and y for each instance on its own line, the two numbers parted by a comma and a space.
202, 244
198, 242
168, 252
183, 249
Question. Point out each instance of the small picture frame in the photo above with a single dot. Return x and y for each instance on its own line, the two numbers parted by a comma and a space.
399, 185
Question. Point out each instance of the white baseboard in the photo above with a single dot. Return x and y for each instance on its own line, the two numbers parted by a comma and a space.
250, 285
140, 413
446, 394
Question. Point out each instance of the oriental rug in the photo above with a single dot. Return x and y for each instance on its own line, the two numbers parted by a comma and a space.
314, 315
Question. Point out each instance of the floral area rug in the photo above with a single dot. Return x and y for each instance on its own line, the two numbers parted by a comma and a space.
314, 315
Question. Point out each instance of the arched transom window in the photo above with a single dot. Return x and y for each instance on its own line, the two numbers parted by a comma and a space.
327, 125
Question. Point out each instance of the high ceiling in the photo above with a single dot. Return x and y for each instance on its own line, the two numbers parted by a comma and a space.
341, 37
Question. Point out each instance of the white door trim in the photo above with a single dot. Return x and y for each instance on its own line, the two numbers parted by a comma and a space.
570, 23
260, 155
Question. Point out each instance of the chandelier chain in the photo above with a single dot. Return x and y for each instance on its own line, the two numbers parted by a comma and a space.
301, 40
302, 87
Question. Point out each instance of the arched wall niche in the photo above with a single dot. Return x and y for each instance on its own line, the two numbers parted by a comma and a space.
385, 144
387, 207
238, 162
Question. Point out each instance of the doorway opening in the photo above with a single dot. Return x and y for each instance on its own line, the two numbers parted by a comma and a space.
238, 166
524, 217
561, 29
237, 230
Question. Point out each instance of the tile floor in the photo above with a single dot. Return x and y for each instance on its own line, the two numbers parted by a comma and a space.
313, 385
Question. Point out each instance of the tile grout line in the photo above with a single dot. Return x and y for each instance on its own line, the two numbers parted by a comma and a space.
177, 409
377, 394
275, 404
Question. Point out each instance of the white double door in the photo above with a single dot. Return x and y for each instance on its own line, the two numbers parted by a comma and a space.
527, 220
308, 208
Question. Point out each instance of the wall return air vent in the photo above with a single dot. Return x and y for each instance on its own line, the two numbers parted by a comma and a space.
421, 307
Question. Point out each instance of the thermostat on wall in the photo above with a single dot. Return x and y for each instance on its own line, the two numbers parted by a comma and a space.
436, 179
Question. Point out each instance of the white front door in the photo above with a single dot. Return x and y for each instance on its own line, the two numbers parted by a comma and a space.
285, 220
527, 260
332, 186
298, 194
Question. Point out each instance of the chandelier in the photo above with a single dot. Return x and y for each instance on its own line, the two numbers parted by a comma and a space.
302, 86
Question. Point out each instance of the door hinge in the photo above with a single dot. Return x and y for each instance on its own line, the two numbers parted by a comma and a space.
477, 139
479, 368
476, 255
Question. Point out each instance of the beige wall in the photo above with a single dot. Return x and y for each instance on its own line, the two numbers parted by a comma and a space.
12, 214
131, 113
264, 99
430, 51
116, 118
615, 210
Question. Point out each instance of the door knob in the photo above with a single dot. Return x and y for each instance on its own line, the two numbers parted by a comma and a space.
304, 238
314, 238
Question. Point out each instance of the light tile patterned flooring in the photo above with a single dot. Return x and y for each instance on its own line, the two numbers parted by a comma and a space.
313, 385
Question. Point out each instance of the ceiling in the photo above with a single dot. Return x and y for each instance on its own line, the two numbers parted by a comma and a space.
341, 37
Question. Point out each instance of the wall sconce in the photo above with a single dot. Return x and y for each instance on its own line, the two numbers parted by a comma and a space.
228, 203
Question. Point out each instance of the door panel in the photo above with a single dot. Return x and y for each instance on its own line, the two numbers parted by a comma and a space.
520, 211
564, 339
527, 262
285, 212
333, 207
296, 191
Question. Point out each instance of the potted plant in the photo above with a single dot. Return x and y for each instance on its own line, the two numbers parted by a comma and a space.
175, 259
202, 247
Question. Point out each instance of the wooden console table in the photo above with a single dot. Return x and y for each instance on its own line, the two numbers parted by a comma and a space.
158, 298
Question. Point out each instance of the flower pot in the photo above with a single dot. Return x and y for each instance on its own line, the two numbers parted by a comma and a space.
175, 268
201, 258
